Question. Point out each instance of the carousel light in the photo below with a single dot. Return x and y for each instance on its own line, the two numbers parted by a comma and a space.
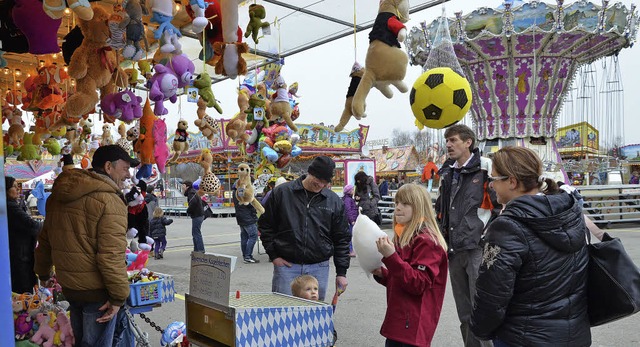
28, 75
6, 70
67, 11
17, 72
55, 56
178, 7
41, 63
18, 84
66, 69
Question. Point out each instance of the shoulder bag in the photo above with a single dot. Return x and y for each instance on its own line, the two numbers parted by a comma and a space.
613, 285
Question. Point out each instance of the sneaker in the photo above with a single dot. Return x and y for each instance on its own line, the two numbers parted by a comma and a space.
249, 261
255, 260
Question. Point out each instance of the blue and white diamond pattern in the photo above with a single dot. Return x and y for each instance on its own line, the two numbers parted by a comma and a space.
295, 326
168, 288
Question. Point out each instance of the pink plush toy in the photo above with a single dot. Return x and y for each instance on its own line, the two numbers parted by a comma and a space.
161, 149
124, 105
183, 68
66, 332
164, 86
141, 260
45, 334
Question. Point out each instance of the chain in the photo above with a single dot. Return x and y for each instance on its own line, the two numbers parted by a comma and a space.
152, 323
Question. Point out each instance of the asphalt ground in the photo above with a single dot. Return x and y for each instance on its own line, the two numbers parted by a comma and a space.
360, 310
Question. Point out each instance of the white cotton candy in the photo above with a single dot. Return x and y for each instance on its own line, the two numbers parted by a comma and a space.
365, 234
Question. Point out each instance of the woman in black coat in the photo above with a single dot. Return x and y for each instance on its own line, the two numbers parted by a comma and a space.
531, 288
23, 233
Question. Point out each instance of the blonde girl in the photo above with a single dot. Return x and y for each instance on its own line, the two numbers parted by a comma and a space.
158, 231
414, 271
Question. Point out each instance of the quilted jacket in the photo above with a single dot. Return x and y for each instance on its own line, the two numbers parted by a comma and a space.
84, 236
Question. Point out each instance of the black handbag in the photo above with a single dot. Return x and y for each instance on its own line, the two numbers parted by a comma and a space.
613, 285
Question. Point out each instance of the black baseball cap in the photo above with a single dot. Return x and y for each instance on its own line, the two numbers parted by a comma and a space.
111, 153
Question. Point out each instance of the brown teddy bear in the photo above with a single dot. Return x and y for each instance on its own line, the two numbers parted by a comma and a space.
244, 189
280, 106
386, 62
180, 140
356, 75
92, 65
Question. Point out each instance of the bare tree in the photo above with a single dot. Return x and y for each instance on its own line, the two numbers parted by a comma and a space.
421, 140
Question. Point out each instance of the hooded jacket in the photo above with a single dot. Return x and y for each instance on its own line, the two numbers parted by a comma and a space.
23, 232
84, 236
305, 231
531, 288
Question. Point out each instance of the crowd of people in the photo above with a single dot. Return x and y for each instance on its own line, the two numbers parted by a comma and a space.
510, 240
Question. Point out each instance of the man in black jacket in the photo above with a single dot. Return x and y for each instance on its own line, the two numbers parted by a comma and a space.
303, 226
463, 208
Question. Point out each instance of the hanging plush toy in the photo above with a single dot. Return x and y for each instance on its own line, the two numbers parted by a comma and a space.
122, 141
55, 8
164, 86
205, 123
280, 106
231, 63
13, 116
145, 145
124, 105
386, 62
236, 130
244, 189
180, 140
167, 33
203, 83
40, 29
135, 30
138, 216
210, 183
160, 147
106, 138
199, 21
356, 75
92, 65
28, 151
256, 14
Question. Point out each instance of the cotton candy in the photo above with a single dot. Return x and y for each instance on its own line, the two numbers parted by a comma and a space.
365, 234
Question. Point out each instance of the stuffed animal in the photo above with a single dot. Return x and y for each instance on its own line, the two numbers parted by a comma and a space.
180, 140
106, 138
13, 116
124, 105
210, 183
28, 151
145, 145
243, 99
44, 335
256, 111
138, 216
199, 21
164, 86
207, 125
135, 9
244, 189
160, 147
167, 33
183, 68
231, 63
203, 83
53, 146
47, 87
92, 65
386, 62
117, 27
66, 332
122, 141
236, 129
280, 106
256, 14
41, 30
356, 75
55, 8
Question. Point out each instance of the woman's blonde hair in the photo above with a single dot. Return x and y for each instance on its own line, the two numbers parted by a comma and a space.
423, 216
158, 212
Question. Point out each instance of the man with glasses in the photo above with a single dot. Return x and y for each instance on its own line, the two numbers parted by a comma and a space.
464, 205
303, 226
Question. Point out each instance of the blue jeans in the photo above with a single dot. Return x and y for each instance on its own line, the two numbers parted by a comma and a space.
88, 332
248, 238
196, 233
283, 276
499, 343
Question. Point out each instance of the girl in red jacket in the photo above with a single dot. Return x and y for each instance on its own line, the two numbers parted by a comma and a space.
414, 271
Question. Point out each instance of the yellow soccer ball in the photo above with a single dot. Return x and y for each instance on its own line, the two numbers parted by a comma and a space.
440, 98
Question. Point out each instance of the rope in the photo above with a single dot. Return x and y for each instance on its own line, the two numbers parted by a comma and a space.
355, 31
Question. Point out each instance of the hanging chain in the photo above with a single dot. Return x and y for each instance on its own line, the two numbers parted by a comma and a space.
152, 323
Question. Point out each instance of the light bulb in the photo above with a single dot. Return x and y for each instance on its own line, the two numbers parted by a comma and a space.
67, 11
17, 72
55, 56
6, 70
18, 84
178, 7
66, 69
41, 63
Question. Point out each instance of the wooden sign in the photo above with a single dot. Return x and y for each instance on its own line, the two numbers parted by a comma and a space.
210, 277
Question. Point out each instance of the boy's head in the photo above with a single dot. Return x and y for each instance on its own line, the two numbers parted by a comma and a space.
158, 212
305, 286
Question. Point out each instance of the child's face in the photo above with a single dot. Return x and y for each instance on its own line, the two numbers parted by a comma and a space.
403, 213
310, 291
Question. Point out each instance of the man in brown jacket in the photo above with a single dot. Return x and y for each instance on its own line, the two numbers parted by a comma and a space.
84, 236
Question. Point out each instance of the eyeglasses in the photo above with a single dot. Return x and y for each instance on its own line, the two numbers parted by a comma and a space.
497, 178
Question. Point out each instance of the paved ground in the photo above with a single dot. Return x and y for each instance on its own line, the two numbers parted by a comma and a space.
360, 311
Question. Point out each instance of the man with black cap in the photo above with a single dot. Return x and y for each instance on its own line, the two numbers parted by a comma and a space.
84, 236
303, 226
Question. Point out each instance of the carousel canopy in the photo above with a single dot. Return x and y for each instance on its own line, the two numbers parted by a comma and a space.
522, 57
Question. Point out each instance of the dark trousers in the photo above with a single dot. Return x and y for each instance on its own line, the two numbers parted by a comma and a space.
392, 343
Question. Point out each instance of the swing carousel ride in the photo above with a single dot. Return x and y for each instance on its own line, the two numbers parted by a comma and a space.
522, 59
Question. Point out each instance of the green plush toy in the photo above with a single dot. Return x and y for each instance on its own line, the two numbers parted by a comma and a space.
256, 101
256, 14
28, 151
52, 145
203, 83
